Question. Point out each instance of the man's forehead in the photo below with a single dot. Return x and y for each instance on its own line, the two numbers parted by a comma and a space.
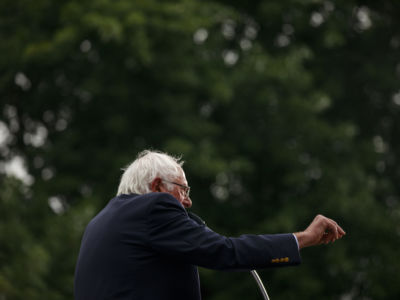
182, 178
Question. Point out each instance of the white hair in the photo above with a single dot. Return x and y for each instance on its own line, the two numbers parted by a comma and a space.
147, 166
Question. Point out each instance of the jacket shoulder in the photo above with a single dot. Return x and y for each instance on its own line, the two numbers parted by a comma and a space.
149, 202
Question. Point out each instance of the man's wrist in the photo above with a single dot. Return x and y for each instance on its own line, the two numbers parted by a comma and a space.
301, 239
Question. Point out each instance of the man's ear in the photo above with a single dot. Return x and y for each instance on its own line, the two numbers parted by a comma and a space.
155, 185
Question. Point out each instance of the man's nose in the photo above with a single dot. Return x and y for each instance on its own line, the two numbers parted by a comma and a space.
187, 202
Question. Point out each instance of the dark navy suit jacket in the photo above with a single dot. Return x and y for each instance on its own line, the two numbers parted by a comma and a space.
146, 247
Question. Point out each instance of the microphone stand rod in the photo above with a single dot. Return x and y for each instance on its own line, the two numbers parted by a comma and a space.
260, 284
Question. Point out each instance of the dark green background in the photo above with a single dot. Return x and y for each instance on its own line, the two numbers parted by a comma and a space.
281, 110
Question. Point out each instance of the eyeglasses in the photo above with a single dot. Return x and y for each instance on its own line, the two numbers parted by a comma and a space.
185, 188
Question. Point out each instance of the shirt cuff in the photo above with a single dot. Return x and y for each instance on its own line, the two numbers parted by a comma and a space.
297, 242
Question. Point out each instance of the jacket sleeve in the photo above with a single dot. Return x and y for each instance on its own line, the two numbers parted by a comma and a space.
171, 232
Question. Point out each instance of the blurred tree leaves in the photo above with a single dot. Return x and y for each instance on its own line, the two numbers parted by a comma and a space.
282, 110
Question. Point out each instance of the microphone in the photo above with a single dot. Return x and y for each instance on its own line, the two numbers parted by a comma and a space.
196, 218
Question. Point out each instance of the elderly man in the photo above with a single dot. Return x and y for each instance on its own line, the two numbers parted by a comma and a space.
144, 245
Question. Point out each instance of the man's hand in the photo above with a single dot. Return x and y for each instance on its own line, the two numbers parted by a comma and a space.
321, 231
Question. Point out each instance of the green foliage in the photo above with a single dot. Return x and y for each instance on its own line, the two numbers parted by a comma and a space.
282, 110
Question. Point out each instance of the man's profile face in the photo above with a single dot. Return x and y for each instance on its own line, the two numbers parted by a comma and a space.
179, 192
